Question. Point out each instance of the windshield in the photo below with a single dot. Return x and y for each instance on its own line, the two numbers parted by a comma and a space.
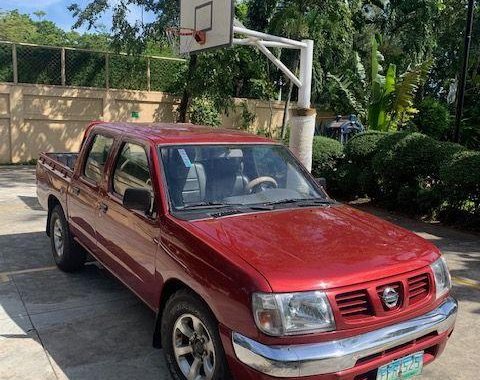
241, 175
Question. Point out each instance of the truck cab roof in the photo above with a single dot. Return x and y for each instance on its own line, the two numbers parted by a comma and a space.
179, 134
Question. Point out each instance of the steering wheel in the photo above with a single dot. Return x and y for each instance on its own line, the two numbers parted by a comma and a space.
124, 164
260, 184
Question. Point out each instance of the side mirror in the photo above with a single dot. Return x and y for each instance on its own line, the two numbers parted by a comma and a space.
137, 199
322, 182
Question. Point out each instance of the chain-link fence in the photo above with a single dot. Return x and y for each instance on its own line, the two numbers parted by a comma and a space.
28, 63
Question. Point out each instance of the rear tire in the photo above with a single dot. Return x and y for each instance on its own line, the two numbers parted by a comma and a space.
68, 255
190, 339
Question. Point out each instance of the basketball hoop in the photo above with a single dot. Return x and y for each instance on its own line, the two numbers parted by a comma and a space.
181, 39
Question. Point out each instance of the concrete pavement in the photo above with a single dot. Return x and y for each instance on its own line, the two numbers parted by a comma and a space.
88, 326
63, 326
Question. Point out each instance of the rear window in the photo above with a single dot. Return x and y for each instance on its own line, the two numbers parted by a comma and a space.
97, 157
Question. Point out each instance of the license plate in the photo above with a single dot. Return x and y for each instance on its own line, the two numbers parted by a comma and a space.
402, 369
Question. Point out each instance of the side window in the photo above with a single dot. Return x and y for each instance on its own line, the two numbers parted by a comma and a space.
97, 156
131, 170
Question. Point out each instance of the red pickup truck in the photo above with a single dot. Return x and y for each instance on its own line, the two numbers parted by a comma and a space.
252, 270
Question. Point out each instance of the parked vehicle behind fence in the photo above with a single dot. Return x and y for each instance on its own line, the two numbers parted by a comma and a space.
252, 270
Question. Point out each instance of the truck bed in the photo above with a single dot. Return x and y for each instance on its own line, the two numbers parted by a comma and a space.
67, 160
54, 174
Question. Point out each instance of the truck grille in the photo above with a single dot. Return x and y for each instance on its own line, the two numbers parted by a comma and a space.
354, 304
418, 288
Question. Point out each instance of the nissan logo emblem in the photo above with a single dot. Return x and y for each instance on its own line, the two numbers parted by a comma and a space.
390, 297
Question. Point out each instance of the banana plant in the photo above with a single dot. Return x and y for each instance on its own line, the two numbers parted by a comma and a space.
401, 106
382, 87
387, 101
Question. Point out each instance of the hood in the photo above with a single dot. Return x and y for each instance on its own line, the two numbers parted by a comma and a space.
318, 248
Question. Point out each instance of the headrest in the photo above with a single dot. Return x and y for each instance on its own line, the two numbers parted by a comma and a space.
226, 153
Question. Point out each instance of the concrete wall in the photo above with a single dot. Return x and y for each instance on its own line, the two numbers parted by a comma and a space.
35, 118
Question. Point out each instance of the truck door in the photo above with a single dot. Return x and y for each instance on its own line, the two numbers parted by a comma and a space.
129, 238
83, 194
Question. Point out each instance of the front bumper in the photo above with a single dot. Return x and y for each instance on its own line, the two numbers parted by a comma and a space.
340, 355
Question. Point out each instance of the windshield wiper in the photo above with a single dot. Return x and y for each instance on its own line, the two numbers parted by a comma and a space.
202, 205
300, 201
206, 205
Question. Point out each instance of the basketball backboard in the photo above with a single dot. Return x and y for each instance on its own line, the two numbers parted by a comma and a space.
213, 17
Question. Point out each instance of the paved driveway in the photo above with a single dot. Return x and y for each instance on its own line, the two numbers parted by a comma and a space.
88, 326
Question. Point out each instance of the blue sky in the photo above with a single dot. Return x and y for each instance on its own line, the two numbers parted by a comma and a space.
57, 12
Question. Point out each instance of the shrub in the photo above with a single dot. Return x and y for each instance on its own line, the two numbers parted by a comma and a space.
346, 180
460, 179
470, 136
362, 147
203, 112
413, 173
419, 198
327, 154
407, 166
358, 178
433, 118
403, 157
446, 152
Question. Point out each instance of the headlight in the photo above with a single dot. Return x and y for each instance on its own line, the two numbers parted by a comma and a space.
443, 281
292, 313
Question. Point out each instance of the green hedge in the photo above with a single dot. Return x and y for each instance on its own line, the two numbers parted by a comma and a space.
362, 147
410, 172
460, 178
402, 157
327, 154
357, 176
433, 118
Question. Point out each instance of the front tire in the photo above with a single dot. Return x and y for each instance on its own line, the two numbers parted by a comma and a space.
190, 339
68, 255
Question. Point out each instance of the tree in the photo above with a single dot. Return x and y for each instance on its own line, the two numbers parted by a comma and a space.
17, 27
217, 75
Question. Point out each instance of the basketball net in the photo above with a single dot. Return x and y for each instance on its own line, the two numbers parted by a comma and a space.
181, 39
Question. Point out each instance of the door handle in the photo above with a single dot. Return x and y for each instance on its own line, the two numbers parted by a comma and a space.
75, 190
103, 207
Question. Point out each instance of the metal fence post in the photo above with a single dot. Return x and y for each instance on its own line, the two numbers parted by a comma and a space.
148, 74
62, 63
107, 71
15, 63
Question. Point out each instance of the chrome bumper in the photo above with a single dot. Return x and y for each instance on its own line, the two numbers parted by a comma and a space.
335, 356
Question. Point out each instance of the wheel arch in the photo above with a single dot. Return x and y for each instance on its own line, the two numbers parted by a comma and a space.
53, 201
171, 287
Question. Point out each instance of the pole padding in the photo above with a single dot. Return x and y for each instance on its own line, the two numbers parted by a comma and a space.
302, 130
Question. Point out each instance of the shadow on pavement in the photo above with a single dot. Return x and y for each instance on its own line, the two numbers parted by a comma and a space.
16, 175
88, 324
31, 202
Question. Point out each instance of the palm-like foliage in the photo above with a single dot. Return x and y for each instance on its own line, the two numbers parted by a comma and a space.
402, 109
386, 102
344, 84
382, 87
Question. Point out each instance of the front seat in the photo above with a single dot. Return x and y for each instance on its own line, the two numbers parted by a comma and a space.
188, 183
227, 178
194, 188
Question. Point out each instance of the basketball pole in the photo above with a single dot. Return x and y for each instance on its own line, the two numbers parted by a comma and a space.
302, 128
303, 118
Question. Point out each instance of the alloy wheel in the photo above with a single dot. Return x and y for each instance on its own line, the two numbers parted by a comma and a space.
193, 348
